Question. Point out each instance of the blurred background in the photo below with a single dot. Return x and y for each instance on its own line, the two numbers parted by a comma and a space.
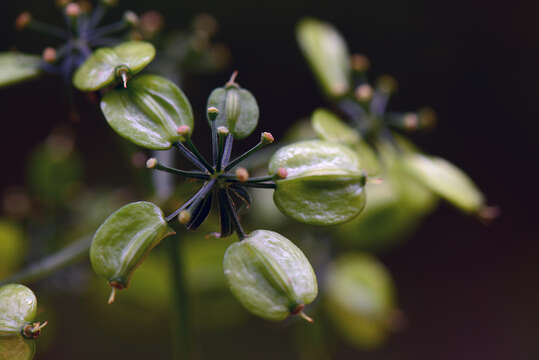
466, 290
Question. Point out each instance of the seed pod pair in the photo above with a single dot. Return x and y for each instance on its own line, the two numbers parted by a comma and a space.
124, 240
18, 306
238, 109
324, 183
270, 275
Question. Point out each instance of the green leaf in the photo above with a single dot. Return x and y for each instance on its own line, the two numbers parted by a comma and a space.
13, 246
123, 241
99, 70
238, 110
16, 67
327, 54
269, 275
324, 186
149, 112
446, 180
361, 299
18, 306
16, 348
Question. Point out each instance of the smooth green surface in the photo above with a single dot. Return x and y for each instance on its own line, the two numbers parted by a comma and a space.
329, 127
16, 348
123, 241
99, 70
18, 306
269, 275
13, 247
327, 54
324, 184
16, 67
149, 112
446, 180
360, 299
238, 110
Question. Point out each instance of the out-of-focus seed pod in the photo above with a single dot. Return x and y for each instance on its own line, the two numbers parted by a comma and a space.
270, 275
361, 300
149, 112
324, 183
238, 109
16, 67
446, 180
124, 240
107, 66
18, 307
327, 54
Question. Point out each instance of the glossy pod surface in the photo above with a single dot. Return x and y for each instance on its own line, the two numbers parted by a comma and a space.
100, 69
123, 241
16, 348
327, 54
18, 306
269, 275
148, 112
238, 110
16, 67
324, 186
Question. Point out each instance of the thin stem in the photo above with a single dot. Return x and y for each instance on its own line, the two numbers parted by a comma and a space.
189, 144
189, 155
260, 185
180, 322
97, 15
234, 179
227, 150
182, 208
43, 268
47, 29
246, 154
187, 174
109, 29
235, 219
214, 144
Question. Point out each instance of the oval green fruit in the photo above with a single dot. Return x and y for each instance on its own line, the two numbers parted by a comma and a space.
123, 241
361, 299
16, 348
148, 112
327, 54
16, 67
238, 110
101, 68
324, 183
18, 306
446, 180
270, 275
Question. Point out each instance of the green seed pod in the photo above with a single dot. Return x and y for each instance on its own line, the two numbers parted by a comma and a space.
361, 300
123, 241
324, 183
270, 275
16, 348
330, 128
148, 112
107, 66
18, 306
446, 180
327, 54
16, 67
238, 109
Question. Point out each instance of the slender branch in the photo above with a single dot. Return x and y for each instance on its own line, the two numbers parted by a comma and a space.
189, 144
47, 29
43, 268
234, 179
246, 154
189, 155
235, 218
188, 174
260, 185
227, 150
109, 29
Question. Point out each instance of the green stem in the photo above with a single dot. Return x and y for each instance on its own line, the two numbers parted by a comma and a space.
180, 322
43, 268
237, 160
188, 174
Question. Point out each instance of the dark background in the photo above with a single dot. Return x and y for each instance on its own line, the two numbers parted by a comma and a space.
469, 291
